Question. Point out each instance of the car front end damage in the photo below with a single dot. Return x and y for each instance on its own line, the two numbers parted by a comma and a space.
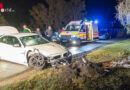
40, 61
64, 59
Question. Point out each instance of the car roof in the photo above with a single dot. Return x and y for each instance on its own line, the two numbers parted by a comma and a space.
18, 35
5, 30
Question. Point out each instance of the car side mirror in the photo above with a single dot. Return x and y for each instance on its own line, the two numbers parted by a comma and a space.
16, 45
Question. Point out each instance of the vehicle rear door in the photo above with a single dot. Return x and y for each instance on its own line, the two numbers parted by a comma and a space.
83, 32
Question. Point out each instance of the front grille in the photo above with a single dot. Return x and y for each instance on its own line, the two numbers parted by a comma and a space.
57, 57
66, 37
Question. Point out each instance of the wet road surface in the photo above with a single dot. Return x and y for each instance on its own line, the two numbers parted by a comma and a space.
9, 69
87, 47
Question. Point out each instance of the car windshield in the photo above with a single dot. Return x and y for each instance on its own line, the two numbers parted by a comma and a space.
72, 28
33, 40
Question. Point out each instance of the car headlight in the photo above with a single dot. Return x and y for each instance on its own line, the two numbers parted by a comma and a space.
68, 54
36, 50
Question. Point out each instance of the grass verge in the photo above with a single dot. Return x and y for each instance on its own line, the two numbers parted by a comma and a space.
111, 53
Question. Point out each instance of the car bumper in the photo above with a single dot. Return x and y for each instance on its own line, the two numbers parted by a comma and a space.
102, 37
69, 41
60, 60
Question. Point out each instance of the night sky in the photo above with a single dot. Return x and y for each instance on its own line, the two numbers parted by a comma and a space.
102, 10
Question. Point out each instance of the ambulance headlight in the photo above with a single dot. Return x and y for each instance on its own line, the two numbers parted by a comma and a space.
74, 42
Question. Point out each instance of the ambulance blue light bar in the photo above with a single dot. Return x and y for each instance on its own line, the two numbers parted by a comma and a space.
96, 21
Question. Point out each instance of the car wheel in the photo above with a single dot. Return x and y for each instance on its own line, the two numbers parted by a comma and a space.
37, 61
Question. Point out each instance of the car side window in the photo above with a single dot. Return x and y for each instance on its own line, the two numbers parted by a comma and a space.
13, 41
83, 28
4, 39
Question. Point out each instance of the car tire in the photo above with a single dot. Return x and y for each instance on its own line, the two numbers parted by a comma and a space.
37, 61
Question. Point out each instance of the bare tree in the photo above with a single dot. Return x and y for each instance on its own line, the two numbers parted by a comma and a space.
76, 9
57, 12
123, 14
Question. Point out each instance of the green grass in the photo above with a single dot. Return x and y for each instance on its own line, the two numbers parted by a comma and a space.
110, 53
118, 79
34, 81
51, 79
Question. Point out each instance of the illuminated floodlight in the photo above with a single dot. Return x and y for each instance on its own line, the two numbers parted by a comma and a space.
2, 10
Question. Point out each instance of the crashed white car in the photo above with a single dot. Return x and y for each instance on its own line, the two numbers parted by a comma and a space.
30, 49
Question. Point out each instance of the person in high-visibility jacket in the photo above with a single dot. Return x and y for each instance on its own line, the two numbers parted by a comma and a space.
25, 29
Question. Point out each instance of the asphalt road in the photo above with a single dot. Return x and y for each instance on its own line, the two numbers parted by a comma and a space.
9, 69
87, 47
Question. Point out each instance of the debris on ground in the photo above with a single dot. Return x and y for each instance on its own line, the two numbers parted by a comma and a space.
123, 63
85, 68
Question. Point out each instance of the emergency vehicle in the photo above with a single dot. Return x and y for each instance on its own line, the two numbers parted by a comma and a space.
80, 31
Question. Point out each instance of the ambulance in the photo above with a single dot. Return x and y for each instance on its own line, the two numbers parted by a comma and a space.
80, 31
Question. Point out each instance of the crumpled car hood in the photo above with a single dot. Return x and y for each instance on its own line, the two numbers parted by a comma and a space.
50, 49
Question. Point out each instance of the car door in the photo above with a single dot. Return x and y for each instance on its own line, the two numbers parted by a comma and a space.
13, 51
17, 52
4, 47
83, 32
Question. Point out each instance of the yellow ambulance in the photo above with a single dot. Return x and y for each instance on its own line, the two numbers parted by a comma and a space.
80, 31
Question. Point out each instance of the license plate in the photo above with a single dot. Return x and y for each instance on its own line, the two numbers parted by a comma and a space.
64, 41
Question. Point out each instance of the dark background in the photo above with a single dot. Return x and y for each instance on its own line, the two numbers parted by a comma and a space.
101, 10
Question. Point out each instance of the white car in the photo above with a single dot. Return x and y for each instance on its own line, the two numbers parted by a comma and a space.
30, 49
